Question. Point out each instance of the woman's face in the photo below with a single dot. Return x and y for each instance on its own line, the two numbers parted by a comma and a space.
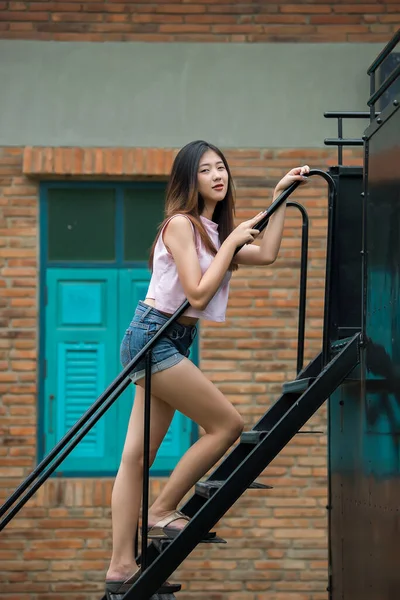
212, 177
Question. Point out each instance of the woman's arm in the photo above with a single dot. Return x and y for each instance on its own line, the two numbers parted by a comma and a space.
200, 288
267, 252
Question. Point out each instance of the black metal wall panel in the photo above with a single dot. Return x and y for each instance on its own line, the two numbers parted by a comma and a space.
345, 301
364, 415
345, 317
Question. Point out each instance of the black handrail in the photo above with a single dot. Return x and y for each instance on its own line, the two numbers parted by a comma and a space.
346, 114
340, 141
372, 73
303, 284
70, 440
384, 53
385, 85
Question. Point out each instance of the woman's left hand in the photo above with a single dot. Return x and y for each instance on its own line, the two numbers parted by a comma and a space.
296, 174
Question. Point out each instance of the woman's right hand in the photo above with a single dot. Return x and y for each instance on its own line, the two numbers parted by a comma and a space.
245, 232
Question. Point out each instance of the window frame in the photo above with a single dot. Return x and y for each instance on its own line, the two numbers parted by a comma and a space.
45, 263
119, 188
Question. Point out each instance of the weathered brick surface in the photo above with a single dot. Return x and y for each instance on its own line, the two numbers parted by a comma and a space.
200, 20
59, 545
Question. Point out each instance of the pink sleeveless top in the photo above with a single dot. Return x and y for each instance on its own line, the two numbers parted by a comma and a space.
165, 287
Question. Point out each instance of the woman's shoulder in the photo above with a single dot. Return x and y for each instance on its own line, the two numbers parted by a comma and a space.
179, 225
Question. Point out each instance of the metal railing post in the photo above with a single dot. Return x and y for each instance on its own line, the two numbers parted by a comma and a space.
303, 283
146, 459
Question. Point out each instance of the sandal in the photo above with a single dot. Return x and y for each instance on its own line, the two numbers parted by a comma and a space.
120, 587
161, 530
116, 587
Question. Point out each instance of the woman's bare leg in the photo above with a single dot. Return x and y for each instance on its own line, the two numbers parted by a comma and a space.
185, 388
127, 491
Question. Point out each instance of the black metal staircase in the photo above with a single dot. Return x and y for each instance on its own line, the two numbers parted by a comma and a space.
244, 464
239, 470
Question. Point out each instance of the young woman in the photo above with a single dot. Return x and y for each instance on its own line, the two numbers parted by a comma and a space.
192, 257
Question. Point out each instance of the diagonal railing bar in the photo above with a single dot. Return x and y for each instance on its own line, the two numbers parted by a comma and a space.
374, 95
68, 442
391, 78
392, 43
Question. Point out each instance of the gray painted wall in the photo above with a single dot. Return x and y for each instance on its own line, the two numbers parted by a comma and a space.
140, 94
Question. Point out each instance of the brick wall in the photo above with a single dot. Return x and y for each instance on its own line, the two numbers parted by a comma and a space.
59, 545
200, 20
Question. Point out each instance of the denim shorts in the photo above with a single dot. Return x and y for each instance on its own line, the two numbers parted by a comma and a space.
169, 350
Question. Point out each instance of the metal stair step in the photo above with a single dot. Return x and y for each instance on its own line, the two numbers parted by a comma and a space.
255, 436
161, 594
252, 437
161, 545
156, 596
298, 386
338, 345
207, 488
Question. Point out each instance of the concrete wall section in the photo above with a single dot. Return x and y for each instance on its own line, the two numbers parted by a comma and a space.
164, 95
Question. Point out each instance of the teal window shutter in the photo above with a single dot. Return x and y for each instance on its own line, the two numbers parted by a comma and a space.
80, 381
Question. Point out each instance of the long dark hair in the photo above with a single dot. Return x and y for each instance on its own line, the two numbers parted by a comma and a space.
182, 196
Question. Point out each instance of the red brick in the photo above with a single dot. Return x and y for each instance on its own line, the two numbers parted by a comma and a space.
348, 29
284, 19
207, 18
152, 18
23, 16
184, 28
67, 17
358, 8
305, 8
390, 18
178, 8
53, 6
335, 19
372, 37
17, 5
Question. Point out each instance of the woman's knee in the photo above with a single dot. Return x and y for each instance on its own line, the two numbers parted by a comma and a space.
134, 457
236, 426
231, 427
